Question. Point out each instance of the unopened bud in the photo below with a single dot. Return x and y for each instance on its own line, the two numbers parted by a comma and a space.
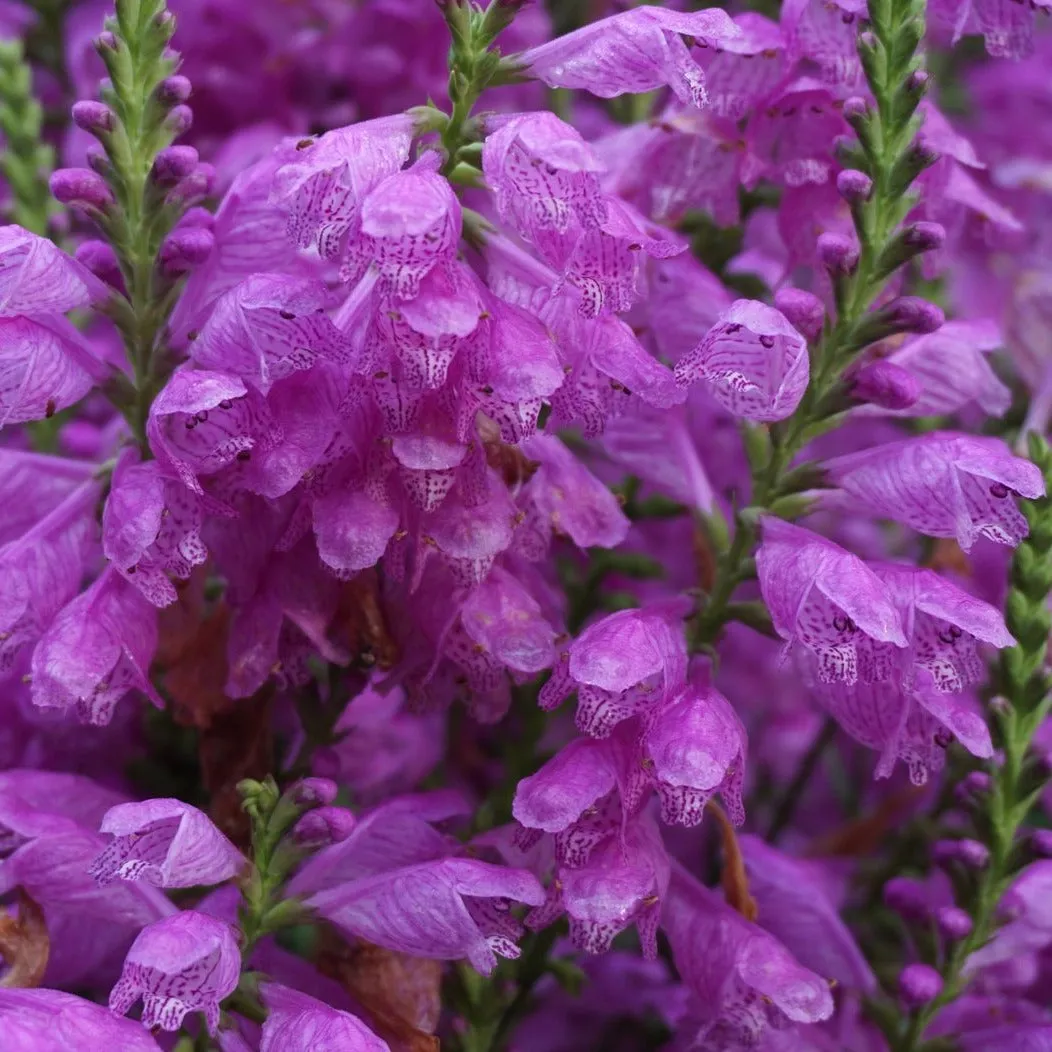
907, 897
804, 310
917, 82
174, 163
913, 314
323, 826
976, 783
94, 117
185, 249
179, 120
885, 384
970, 853
953, 923
98, 160
855, 107
838, 253
854, 186
105, 41
1041, 842
313, 792
80, 186
198, 217
197, 185
174, 90
919, 984
925, 237
100, 259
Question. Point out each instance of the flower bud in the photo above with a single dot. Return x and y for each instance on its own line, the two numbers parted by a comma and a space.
174, 163
919, 984
885, 384
838, 253
907, 897
913, 314
94, 117
1041, 842
174, 90
198, 217
80, 186
323, 826
100, 259
855, 107
953, 923
976, 783
196, 185
105, 41
854, 186
918, 81
185, 249
179, 120
98, 161
925, 237
312, 792
804, 310
969, 853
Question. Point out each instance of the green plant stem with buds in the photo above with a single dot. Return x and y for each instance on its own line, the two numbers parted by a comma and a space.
887, 153
26, 160
137, 62
1022, 702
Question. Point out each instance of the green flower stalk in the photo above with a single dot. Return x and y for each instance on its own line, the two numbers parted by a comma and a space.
882, 164
26, 160
1022, 701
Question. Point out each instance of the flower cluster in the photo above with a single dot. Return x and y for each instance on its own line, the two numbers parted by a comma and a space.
525, 526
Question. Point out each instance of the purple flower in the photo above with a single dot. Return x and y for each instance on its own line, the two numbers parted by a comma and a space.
943, 484
742, 980
45, 367
151, 528
826, 33
322, 187
38, 279
204, 421
829, 601
450, 908
637, 51
623, 664
694, 747
753, 360
165, 843
185, 963
52, 1021
97, 649
744, 69
298, 1023
41, 570
796, 907
1029, 929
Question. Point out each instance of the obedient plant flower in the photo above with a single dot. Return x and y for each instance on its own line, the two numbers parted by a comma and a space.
450, 909
624, 664
298, 1023
754, 362
637, 51
943, 484
38, 279
185, 963
97, 649
743, 981
165, 843
828, 601
52, 1021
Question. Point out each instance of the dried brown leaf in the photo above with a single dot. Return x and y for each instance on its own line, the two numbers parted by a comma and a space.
733, 877
863, 836
24, 943
400, 994
196, 679
360, 623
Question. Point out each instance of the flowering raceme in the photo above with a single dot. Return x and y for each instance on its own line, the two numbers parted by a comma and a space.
377, 378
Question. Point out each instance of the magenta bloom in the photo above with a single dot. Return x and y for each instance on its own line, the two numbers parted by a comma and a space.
42, 1020
165, 843
185, 963
754, 362
38, 279
97, 649
637, 51
828, 601
298, 1023
626, 663
451, 908
943, 484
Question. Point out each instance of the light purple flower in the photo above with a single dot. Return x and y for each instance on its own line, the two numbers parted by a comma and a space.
97, 649
636, 51
298, 1023
151, 528
694, 747
268, 327
626, 663
829, 601
38, 279
45, 367
1029, 931
52, 1021
743, 981
165, 843
185, 963
450, 909
943, 484
826, 33
755, 363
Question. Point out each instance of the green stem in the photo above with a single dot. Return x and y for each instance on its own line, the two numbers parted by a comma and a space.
786, 807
